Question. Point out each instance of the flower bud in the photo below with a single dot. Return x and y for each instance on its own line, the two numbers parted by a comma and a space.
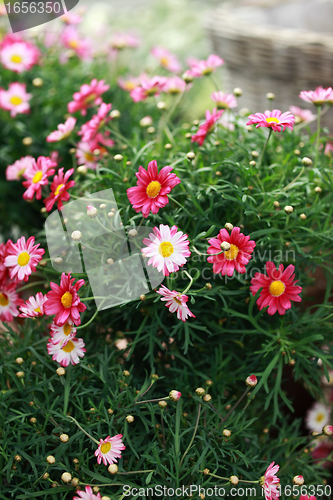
307, 162
19, 361
288, 209
60, 371
208, 286
318, 189
142, 297
113, 468
110, 411
130, 419
76, 235
209, 383
50, 459
297, 152
188, 135
298, 480
154, 376
226, 433
105, 497
82, 169
118, 158
328, 430
270, 96
253, 163
75, 481
225, 246
146, 121
64, 438
251, 381
126, 373
255, 154
168, 146
115, 114
18, 458
92, 211
37, 82
132, 232
175, 395
95, 489
200, 391
234, 480
238, 92
20, 374
46, 476
206, 471
161, 105
27, 141
162, 404
276, 204
303, 216
151, 130
228, 226
190, 155
110, 261
207, 398
66, 477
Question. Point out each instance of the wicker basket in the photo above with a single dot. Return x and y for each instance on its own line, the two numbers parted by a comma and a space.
278, 46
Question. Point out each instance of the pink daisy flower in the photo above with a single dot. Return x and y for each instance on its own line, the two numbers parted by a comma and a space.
224, 101
71, 18
90, 129
167, 248
166, 59
17, 54
328, 148
152, 189
175, 301
318, 97
62, 333
87, 495
270, 482
174, 85
71, 39
121, 41
206, 127
9, 302
64, 301
67, 351
15, 99
15, 172
3, 268
278, 288
37, 176
33, 307
64, 130
239, 255
22, 258
59, 189
148, 87
204, 67
272, 119
109, 449
129, 83
301, 115
88, 96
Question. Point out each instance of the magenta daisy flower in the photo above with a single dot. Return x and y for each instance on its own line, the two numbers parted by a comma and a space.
272, 119
64, 332
15, 172
224, 101
302, 115
166, 59
67, 351
175, 301
90, 129
270, 482
64, 301
237, 257
9, 302
278, 288
167, 248
175, 85
22, 258
109, 449
148, 87
64, 130
152, 189
59, 189
204, 67
33, 307
15, 99
3, 269
71, 39
88, 96
87, 495
207, 126
17, 54
37, 176
318, 97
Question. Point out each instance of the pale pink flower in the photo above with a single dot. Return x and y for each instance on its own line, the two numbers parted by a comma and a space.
9, 302
64, 130
88, 96
64, 332
33, 307
224, 101
166, 59
270, 482
175, 395
152, 188
317, 417
302, 115
318, 97
22, 258
71, 18
167, 248
71, 39
328, 148
15, 172
130, 83
272, 119
176, 302
15, 99
109, 449
207, 127
87, 495
175, 85
66, 351
37, 176
90, 129
124, 40
90, 152
17, 54
204, 67
59, 189
64, 301
148, 87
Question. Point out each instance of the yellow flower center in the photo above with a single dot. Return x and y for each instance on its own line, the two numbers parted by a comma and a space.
69, 346
37, 177
16, 100
16, 59
320, 417
66, 300
3, 300
23, 259
129, 86
38, 310
164, 61
207, 71
67, 329
90, 98
232, 253
57, 191
166, 249
178, 301
272, 119
153, 189
89, 156
277, 288
73, 43
106, 447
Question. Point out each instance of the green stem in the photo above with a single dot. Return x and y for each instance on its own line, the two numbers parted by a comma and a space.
318, 135
236, 404
194, 433
25, 287
209, 254
191, 282
90, 321
264, 148
81, 428
151, 400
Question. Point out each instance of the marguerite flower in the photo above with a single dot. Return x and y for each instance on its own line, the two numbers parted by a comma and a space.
9, 302
33, 307
15, 99
152, 188
148, 87
22, 258
87, 495
167, 248
90, 129
37, 176
64, 130
121, 41
301, 115
59, 189
206, 127
67, 351
71, 39
71, 18
109, 449
317, 417
3, 268
129, 83
224, 101
318, 97
166, 59
64, 332
176, 301
88, 96
278, 288
64, 301
239, 255
17, 54
204, 67
270, 482
174, 85
15, 172
272, 119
